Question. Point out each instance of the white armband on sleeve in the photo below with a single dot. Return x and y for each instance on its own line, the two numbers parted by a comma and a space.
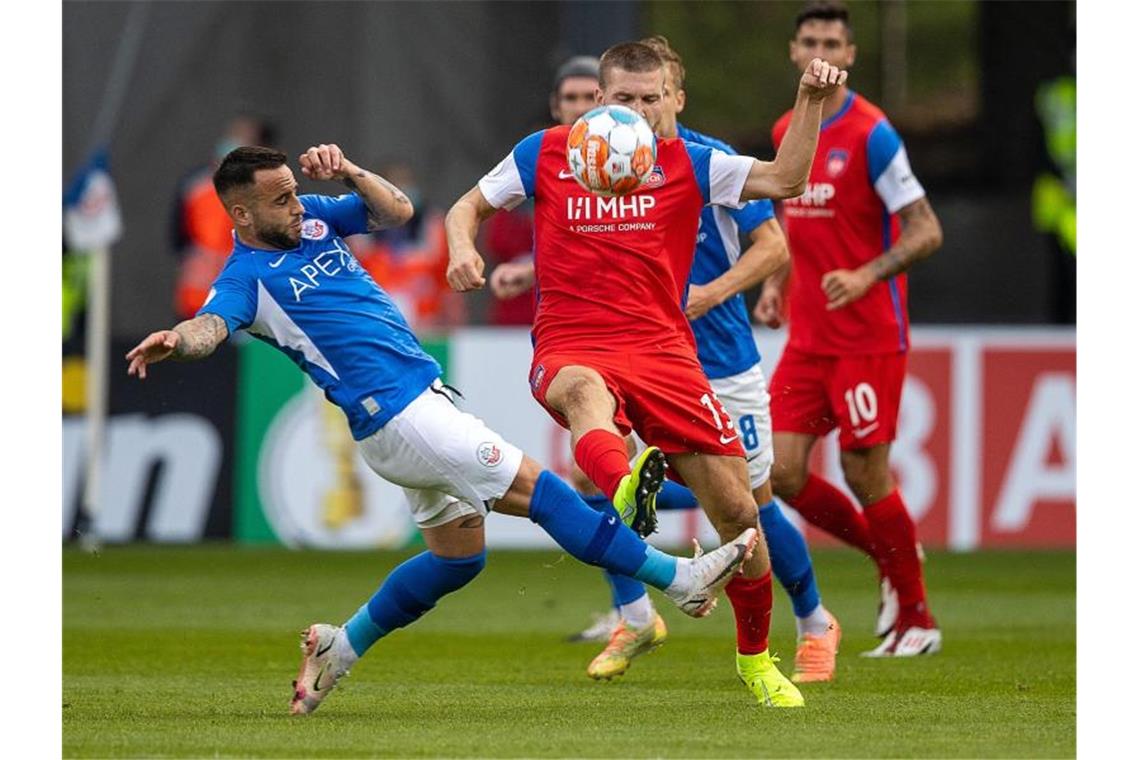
502, 186
897, 186
727, 175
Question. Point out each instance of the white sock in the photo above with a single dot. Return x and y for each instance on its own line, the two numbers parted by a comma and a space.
638, 613
683, 580
816, 622
343, 650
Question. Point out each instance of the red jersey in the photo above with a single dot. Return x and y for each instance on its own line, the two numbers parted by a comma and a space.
613, 271
847, 216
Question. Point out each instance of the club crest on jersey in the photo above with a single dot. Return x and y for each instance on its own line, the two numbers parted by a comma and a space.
489, 454
836, 161
537, 377
314, 229
656, 178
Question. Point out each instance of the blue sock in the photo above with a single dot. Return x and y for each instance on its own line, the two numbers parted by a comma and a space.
675, 496
596, 537
791, 563
407, 593
624, 588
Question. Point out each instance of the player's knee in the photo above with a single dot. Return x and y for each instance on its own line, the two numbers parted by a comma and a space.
736, 516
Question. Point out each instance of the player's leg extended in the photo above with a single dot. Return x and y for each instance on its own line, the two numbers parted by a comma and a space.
720, 484
455, 555
581, 396
600, 538
868, 474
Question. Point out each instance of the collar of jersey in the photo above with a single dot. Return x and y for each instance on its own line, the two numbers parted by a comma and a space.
843, 109
240, 246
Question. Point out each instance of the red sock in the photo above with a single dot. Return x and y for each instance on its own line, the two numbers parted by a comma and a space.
752, 604
603, 457
893, 529
826, 507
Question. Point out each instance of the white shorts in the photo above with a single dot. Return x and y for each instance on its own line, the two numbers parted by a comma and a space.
745, 398
449, 462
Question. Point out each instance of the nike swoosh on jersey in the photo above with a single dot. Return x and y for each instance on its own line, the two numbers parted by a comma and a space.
729, 439
275, 264
564, 174
864, 432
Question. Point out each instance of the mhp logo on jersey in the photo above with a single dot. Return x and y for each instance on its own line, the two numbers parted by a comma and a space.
836, 161
314, 229
656, 178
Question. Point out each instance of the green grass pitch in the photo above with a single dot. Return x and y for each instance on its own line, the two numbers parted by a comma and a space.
176, 652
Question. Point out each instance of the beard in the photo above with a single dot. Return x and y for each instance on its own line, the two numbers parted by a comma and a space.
280, 237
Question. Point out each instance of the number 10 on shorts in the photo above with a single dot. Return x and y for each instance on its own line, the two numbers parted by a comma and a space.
862, 405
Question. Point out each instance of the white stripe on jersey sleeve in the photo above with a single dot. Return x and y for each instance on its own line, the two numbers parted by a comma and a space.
727, 175
502, 186
272, 322
897, 186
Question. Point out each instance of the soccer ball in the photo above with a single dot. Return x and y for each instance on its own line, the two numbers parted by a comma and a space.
611, 150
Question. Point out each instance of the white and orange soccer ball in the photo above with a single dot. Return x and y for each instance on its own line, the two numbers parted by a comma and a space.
611, 150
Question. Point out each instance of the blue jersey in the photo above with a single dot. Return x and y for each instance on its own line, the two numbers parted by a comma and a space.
724, 335
317, 305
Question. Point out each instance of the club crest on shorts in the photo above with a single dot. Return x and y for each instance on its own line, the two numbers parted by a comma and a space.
489, 454
537, 377
314, 229
836, 161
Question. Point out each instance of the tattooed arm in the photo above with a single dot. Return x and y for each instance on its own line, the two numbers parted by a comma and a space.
387, 205
190, 340
920, 237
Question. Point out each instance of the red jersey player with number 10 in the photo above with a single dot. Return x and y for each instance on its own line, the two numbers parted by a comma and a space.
613, 348
863, 220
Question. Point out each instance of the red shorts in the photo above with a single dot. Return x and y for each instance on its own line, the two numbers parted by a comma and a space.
813, 393
664, 396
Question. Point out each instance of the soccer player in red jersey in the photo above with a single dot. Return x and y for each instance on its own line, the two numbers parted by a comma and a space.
613, 349
862, 222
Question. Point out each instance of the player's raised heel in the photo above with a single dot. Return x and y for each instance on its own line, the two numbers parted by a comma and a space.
625, 644
320, 671
712, 572
636, 495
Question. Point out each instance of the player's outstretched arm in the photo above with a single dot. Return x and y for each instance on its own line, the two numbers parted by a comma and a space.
921, 236
465, 265
786, 176
387, 205
767, 254
190, 340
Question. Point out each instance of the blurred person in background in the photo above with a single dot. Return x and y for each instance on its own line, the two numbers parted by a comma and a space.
862, 222
410, 261
201, 233
509, 237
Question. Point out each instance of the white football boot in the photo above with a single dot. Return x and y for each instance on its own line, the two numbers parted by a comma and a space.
322, 665
888, 608
912, 642
712, 572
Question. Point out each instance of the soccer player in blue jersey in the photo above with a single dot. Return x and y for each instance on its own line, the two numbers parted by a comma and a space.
292, 282
725, 347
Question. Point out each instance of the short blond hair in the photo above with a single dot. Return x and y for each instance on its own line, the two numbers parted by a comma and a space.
672, 59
